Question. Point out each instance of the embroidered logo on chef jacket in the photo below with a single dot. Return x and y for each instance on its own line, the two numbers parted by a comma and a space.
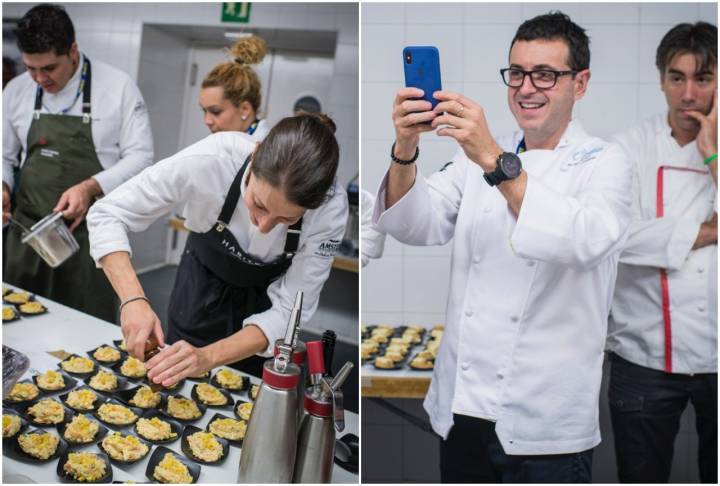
581, 157
49, 153
328, 248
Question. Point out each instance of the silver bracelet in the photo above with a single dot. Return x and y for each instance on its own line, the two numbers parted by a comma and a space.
132, 299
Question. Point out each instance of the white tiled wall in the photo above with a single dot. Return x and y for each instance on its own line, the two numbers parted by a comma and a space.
409, 285
112, 32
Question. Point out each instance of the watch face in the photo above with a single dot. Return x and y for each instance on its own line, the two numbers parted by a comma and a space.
510, 165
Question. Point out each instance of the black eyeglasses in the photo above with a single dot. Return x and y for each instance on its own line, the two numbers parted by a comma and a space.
540, 78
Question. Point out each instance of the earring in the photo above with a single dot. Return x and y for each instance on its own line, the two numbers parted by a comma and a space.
243, 118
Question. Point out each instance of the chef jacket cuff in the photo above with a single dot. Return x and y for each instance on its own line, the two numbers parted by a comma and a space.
399, 217
681, 242
106, 181
267, 323
105, 242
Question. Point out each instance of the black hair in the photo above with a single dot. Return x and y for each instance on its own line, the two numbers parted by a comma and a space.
300, 156
699, 39
45, 28
553, 26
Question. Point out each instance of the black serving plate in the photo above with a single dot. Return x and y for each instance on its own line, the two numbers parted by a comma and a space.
31, 314
185, 446
23, 456
70, 383
120, 461
398, 365
19, 404
200, 406
347, 452
200, 379
117, 366
32, 420
218, 416
174, 426
137, 411
228, 403
175, 387
235, 409
126, 395
157, 456
243, 386
67, 478
102, 431
16, 314
31, 299
23, 423
117, 343
111, 363
122, 382
249, 392
80, 375
100, 399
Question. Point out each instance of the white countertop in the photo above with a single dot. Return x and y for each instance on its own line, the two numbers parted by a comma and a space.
63, 328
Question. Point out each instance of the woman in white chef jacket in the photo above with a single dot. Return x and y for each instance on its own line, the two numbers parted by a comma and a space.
266, 220
230, 93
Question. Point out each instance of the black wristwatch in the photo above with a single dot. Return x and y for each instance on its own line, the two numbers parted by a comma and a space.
508, 167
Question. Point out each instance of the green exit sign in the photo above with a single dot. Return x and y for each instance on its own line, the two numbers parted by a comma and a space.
236, 12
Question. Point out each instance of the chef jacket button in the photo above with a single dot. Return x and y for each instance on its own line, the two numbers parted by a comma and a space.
500, 375
514, 318
487, 209
701, 308
469, 313
530, 263
476, 260
700, 270
465, 365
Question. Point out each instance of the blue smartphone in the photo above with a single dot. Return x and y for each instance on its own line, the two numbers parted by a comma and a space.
422, 70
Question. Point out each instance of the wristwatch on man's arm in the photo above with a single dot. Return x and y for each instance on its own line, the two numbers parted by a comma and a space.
508, 167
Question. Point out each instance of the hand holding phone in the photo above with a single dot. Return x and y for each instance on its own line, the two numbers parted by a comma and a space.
422, 70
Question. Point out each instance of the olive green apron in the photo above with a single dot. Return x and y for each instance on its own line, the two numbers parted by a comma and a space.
60, 154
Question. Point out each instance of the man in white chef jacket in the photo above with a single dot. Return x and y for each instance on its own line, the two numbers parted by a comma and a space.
537, 221
73, 130
663, 330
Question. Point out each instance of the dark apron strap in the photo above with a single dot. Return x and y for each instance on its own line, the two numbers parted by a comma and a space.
293, 234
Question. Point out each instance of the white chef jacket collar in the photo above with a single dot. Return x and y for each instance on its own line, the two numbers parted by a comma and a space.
573, 133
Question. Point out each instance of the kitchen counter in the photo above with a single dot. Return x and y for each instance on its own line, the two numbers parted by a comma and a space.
63, 328
402, 383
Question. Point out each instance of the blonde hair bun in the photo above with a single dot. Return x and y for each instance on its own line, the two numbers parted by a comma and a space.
249, 50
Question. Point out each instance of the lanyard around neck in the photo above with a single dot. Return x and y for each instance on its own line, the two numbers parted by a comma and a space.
253, 127
521, 147
84, 81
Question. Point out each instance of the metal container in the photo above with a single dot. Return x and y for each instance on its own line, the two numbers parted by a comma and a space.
316, 443
52, 240
268, 453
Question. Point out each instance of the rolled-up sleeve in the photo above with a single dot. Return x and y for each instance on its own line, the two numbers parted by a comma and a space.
579, 230
427, 213
308, 272
135, 141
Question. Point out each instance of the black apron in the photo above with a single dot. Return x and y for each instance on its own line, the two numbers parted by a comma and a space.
60, 153
218, 284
